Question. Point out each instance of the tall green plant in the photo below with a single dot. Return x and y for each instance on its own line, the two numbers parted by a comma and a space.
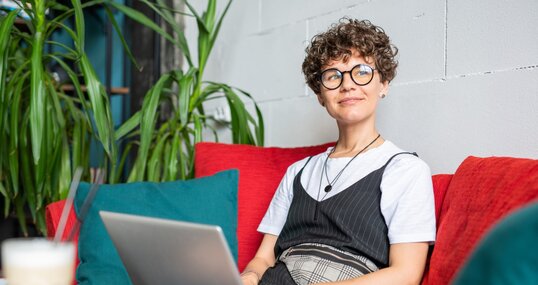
45, 133
166, 148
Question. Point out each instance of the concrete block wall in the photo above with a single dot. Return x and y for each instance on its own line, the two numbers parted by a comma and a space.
467, 83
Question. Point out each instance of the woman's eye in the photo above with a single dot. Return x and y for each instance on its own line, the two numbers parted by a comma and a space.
331, 76
363, 72
334, 77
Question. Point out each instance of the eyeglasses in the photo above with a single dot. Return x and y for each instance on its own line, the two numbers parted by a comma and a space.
361, 74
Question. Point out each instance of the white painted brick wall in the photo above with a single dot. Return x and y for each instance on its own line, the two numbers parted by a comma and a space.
467, 82
495, 35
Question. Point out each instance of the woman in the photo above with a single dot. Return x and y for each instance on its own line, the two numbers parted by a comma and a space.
363, 211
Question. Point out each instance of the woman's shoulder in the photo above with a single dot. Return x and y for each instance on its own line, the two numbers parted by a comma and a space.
403, 160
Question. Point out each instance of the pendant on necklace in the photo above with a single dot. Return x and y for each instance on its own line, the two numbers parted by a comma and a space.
328, 188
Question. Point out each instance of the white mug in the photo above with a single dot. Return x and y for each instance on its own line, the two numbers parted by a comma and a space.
38, 261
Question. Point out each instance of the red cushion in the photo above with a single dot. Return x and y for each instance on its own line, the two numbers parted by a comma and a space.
260, 172
53, 212
482, 191
440, 186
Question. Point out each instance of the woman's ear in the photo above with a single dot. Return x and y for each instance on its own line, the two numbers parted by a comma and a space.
384, 90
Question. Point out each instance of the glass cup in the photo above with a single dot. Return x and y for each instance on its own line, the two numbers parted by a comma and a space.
38, 261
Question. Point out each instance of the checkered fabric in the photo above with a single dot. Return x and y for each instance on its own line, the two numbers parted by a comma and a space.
316, 263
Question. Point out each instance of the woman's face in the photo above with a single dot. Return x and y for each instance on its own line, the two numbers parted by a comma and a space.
351, 103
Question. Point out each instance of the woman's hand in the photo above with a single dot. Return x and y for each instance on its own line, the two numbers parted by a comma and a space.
249, 278
264, 258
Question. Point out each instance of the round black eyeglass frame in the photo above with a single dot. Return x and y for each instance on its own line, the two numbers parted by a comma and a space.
342, 73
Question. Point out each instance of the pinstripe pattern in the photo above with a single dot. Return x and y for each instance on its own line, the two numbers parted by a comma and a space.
350, 221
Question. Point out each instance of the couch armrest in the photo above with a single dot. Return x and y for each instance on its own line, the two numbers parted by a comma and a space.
53, 212
440, 185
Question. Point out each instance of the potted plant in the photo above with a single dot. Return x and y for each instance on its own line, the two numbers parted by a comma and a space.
166, 147
44, 132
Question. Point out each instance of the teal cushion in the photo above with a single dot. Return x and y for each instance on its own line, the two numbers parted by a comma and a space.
507, 255
207, 200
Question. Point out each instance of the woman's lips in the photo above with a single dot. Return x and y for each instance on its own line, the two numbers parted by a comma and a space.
350, 100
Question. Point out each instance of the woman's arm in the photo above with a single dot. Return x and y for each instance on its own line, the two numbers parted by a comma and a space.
406, 266
264, 258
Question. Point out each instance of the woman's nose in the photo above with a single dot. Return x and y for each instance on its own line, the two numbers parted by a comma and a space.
347, 82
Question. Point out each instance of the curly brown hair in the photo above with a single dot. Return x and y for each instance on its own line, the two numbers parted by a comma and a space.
337, 44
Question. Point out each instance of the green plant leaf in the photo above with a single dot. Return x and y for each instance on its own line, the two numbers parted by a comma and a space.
67, 48
27, 169
65, 168
5, 36
56, 105
128, 126
40, 221
176, 149
260, 126
166, 158
37, 95
112, 19
7, 202
184, 94
142, 19
96, 93
21, 215
15, 118
121, 166
164, 13
100, 109
75, 82
79, 25
78, 139
199, 18
239, 119
216, 30
154, 163
208, 90
147, 124
198, 128
209, 14
187, 155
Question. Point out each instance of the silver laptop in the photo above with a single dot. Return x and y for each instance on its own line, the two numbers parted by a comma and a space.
159, 251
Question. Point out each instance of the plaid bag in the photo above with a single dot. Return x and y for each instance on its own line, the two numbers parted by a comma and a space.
315, 263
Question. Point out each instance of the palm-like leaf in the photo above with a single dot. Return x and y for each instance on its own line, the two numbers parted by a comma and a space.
45, 133
170, 150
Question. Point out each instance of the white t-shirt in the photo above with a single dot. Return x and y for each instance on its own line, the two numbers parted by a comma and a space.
407, 201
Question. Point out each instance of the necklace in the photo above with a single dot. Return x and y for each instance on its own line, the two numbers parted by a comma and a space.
329, 187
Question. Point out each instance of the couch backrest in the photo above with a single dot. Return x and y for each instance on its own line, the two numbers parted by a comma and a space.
260, 172
261, 169
482, 191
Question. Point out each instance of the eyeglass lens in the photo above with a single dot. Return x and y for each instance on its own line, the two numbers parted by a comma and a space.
361, 74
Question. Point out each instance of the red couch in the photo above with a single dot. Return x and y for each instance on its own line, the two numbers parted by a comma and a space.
468, 202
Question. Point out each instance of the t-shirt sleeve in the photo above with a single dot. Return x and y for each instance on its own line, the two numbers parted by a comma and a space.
277, 213
407, 200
